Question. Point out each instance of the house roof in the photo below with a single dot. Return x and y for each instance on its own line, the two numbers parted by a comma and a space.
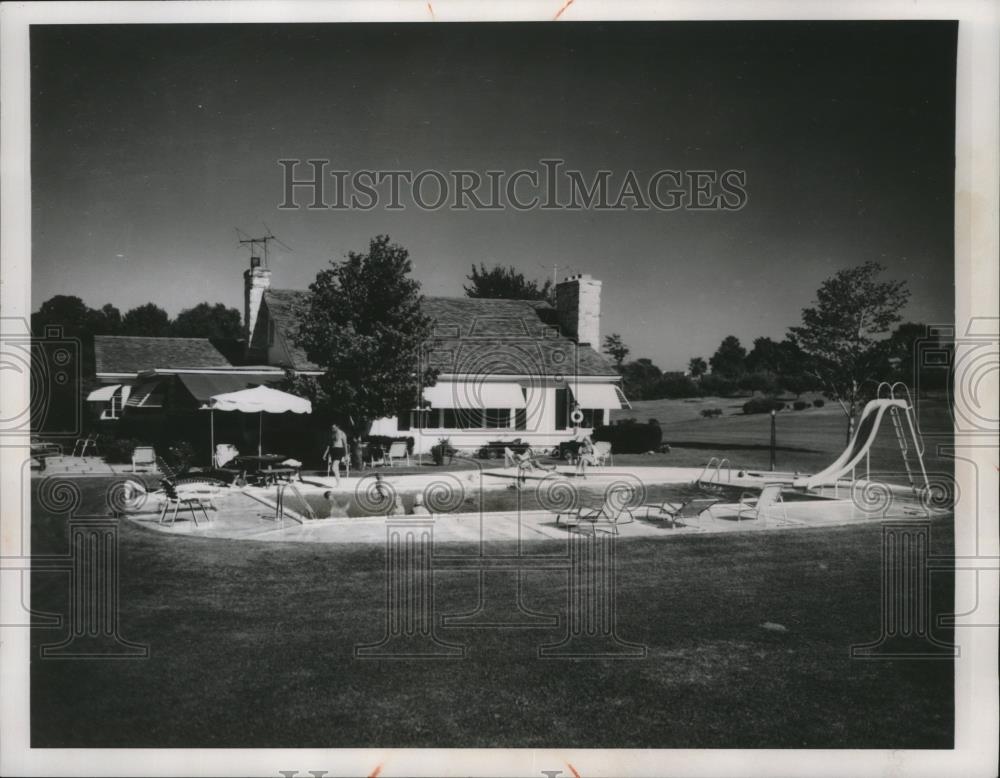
133, 354
284, 306
506, 337
475, 336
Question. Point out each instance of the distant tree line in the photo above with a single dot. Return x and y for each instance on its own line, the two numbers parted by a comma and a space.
847, 343
77, 320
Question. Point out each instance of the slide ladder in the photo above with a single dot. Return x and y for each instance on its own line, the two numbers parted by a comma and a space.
904, 447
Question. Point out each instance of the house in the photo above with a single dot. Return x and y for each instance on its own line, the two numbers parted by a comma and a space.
507, 368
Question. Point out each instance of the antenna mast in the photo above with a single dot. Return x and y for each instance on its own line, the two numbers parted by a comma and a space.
246, 240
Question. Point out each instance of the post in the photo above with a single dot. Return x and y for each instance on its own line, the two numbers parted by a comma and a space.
211, 445
260, 433
774, 439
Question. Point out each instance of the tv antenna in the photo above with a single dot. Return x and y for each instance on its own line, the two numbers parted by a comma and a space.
264, 240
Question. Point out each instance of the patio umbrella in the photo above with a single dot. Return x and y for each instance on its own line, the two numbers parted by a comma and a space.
259, 400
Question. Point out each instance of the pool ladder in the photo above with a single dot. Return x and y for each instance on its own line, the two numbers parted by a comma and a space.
712, 472
279, 506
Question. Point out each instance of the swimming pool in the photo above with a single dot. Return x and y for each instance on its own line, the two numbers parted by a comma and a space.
556, 494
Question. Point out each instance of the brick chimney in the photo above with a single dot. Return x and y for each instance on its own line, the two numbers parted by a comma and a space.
255, 281
578, 303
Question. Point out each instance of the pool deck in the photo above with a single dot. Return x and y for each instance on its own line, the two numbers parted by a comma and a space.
249, 513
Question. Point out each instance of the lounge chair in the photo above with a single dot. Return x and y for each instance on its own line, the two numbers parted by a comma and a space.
398, 451
143, 456
692, 508
757, 505
611, 512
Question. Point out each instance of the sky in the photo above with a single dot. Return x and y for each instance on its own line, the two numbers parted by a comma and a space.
153, 144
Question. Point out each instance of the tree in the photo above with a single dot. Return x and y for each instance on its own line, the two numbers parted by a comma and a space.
149, 320
109, 320
697, 367
615, 347
506, 283
208, 321
783, 361
728, 358
640, 379
363, 324
843, 333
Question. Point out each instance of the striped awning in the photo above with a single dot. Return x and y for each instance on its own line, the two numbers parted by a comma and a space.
599, 396
474, 396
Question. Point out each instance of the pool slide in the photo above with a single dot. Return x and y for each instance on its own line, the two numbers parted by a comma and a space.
862, 441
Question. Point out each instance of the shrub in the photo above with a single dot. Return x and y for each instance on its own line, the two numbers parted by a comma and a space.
800, 405
818, 403
179, 455
762, 405
630, 437
711, 413
117, 451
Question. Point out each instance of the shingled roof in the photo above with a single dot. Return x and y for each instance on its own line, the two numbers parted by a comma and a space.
132, 354
285, 307
475, 336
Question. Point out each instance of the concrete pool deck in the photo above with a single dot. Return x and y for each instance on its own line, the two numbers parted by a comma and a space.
249, 514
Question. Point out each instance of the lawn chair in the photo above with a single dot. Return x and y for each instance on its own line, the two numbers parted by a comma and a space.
692, 508
398, 451
602, 453
82, 444
757, 506
611, 512
191, 496
144, 456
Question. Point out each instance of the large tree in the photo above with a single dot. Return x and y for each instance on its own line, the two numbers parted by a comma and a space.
640, 379
364, 325
843, 333
506, 283
149, 320
207, 321
697, 367
615, 348
728, 359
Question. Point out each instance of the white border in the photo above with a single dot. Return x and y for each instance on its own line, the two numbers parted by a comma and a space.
977, 249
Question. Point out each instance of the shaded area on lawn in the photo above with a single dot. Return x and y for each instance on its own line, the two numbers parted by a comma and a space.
252, 646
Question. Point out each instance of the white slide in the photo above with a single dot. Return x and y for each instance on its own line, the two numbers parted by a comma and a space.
864, 436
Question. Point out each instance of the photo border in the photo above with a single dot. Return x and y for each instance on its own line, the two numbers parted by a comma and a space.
976, 284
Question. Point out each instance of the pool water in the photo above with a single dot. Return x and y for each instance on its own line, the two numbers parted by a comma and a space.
543, 494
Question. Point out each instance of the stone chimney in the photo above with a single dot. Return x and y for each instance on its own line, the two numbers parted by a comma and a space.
255, 281
578, 302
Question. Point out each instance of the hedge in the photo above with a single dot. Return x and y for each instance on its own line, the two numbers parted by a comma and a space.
630, 437
762, 405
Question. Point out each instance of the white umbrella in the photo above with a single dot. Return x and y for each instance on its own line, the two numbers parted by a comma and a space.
259, 400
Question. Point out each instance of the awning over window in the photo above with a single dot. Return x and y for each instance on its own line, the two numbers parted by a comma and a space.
202, 386
473, 396
599, 396
104, 393
148, 394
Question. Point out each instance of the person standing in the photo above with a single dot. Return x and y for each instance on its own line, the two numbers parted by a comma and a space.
336, 452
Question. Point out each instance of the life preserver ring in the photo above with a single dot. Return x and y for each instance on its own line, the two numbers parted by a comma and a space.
576, 416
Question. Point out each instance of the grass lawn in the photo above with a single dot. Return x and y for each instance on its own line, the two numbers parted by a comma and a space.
807, 440
252, 646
